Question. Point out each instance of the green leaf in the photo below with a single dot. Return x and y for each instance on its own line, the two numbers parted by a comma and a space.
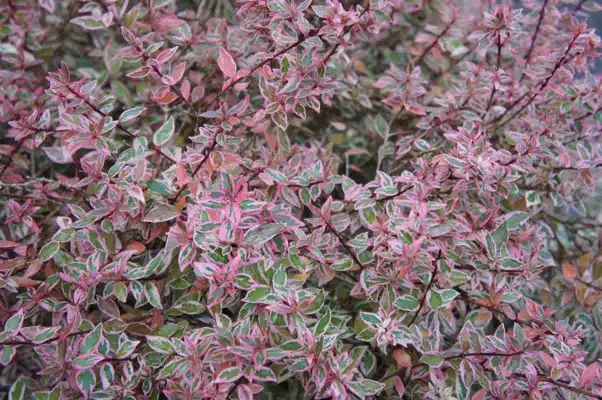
190, 307
316, 304
160, 344
161, 213
14, 323
459, 277
381, 125
382, 16
107, 374
18, 389
291, 345
279, 278
164, 133
89, 23
55, 394
130, 114
257, 294
265, 374
229, 375
6, 354
171, 367
262, 234
158, 187
126, 348
565, 107
277, 175
121, 291
323, 323
152, 295
251, 205
431, 360
86, 361
342, 265
63, 235
299, 366
532, 198
91, 340
516, 219
500, 235
407, 303
371, 319
121, 92
366, 387
497, 238
280, 120
435, 300
86, 381
511, 263
304, 195
447, 295
284, 65
49, 250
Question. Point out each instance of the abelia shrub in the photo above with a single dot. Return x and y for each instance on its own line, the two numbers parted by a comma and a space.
304, 199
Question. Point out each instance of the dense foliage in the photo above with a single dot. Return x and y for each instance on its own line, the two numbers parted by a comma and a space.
308, 199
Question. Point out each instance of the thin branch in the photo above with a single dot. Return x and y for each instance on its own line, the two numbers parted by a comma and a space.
589, 284
29, 343
533, 39
434, 43
484, 354
299, 41
428, 288
454, 64
345, 245
198, 168
34, 181
578, 7
497, 68
12, 156
493, 309
572, 388
542, 86
119, 125
558, 169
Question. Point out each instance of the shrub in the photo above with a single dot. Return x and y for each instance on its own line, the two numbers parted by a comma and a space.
305, 200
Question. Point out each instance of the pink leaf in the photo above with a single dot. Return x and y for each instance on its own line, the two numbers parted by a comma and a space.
139, 73
178, 72
588, 374
399, 386
166, 55
107, 18
185, 89
415, 108
226, 63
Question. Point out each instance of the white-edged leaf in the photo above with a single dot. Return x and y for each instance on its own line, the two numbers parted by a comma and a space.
165, 132
161, 213
130, 114
262, 234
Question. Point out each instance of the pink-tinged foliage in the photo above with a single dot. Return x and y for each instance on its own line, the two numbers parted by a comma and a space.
300, 199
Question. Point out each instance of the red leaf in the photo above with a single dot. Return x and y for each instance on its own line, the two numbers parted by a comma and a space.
166, 98
226, 63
